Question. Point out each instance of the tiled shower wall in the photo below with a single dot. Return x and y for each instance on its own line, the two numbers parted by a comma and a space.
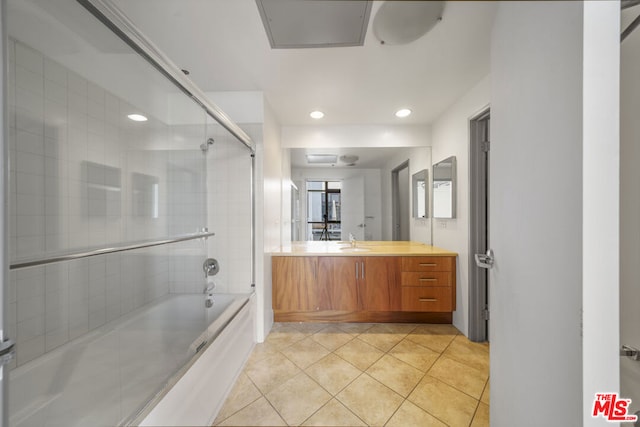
83, 175
229, 210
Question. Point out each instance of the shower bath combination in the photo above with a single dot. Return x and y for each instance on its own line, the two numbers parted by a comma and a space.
105, 263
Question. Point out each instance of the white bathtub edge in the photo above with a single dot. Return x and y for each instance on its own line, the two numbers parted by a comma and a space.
198, 396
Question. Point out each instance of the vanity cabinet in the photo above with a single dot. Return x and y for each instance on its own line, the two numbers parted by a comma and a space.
428, 284
294, 284
382, 288
358, 283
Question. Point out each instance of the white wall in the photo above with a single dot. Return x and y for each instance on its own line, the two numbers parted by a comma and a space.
372, 199
630, 212
269, 208
450, 137
536, 214
419, 159
601, 205
355, 136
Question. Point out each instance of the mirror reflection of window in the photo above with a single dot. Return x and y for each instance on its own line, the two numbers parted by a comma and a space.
323, 210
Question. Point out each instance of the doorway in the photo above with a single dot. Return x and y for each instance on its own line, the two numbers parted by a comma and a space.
400, 186
479, 226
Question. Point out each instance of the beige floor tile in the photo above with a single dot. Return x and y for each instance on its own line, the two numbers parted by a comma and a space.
369, 400
332, 337
354, 328
470, 353
283, 335
463, 377
271, 371
297, 399
334, 413
242, 394
481, 418
395, 374
444, 402
359, 354
260, 352
409, 415
435, 337
486, 394
382, 336
259, 413
305, 353
414, 354
310, 327
333, 373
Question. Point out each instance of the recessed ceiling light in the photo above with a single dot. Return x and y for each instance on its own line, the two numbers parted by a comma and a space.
403, 112
316, 114
137, 117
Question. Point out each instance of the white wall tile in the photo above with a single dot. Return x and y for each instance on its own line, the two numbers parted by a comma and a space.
29, 58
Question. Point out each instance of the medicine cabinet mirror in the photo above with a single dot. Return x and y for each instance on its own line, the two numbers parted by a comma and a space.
444, 188
419, 185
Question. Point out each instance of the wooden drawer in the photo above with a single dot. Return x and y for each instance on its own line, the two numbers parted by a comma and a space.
430, 263
427, 278
427, 298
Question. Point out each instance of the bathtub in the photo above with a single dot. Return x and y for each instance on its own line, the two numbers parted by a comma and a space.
137, 368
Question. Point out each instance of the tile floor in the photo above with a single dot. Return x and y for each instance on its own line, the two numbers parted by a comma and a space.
355, 374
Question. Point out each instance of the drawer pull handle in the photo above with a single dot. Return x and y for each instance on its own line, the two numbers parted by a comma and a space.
427, 264
422, 279
428, 299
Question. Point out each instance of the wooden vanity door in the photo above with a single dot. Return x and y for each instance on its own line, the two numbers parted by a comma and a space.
379, 289
337, 283
294, 284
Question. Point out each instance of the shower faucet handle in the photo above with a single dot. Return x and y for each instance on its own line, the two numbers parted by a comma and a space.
210, 267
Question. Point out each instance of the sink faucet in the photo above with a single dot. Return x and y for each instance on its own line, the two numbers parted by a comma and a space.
352, 239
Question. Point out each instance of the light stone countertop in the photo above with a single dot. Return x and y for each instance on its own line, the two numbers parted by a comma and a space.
362, 248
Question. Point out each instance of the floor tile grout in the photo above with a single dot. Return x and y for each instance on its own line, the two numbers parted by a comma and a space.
402, 337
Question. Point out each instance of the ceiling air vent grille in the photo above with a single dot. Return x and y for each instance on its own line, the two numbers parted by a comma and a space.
295, 24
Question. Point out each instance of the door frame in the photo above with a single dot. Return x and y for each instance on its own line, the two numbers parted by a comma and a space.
395, 198
478, 328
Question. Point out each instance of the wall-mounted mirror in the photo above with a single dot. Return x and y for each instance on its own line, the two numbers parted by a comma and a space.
419, 188
444, 188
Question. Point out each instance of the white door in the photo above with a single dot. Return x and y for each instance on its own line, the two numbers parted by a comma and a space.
630, 210
352, 212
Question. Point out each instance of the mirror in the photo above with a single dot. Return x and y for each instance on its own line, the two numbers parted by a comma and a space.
444, 188
367, 190
419, 182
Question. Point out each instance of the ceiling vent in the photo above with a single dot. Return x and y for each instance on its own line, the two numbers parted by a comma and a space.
295, 24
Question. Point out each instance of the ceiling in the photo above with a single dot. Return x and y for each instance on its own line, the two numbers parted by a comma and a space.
224, 46
368, 158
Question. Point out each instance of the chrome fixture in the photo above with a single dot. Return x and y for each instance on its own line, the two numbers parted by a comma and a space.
103, 251
210, 267
486, 260
205, 147
208, 291
630, 352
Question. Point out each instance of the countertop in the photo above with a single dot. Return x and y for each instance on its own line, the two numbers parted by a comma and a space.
362, 248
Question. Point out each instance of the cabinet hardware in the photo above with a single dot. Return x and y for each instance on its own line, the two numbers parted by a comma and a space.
422, 279
427, 264
363, 270
427, 299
